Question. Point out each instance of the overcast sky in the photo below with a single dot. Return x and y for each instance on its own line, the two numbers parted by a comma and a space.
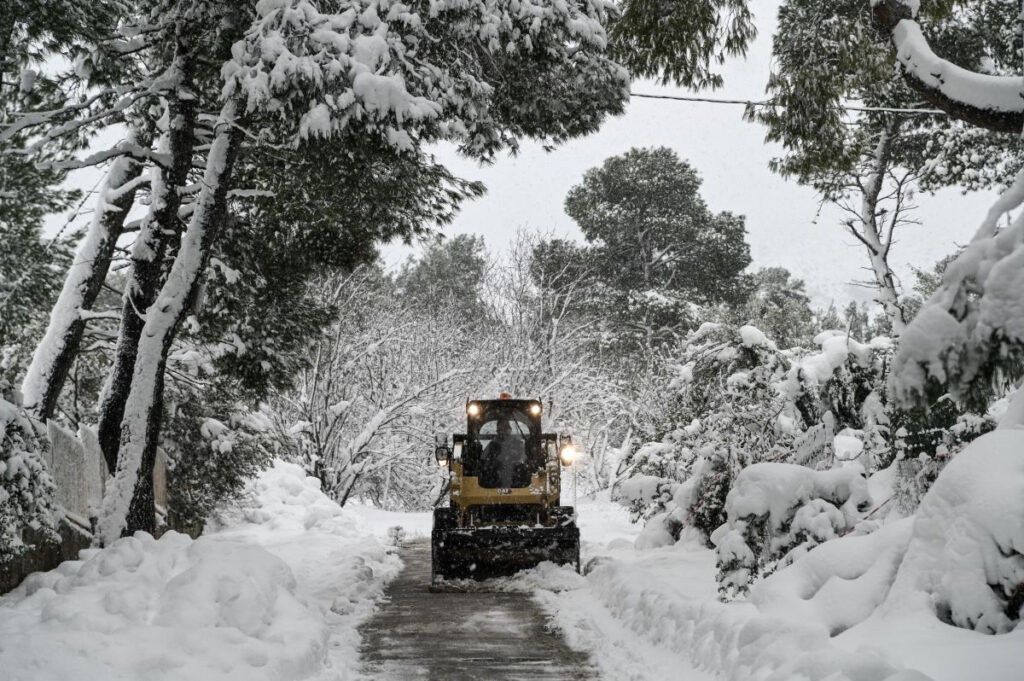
784, 222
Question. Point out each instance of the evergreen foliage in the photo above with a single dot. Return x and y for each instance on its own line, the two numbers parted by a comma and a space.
449, 274
27, 512
655, 250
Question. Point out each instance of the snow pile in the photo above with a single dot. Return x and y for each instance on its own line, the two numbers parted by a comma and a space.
965, 561
776, 512
752, 336
838, 584
660, 606
173, 608
275, 593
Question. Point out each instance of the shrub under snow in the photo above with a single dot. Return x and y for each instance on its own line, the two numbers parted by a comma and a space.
27, 514
777, 512
966, 555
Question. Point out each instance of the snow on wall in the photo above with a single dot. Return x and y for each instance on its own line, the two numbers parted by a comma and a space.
78, 470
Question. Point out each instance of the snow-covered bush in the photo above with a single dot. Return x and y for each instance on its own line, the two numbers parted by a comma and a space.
212, 452
777, 512
925, 440
968, 339
741, 401
965, 560
839, 391
27, 512
840, 583
645, 495
726, 414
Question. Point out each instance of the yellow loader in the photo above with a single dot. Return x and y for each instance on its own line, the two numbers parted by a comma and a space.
505, 510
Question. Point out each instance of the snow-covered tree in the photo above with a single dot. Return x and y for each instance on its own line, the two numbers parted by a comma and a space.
869, 159
450, 273
725, 414
655, 248
549, 345
682, 43
966, 339
213, 449
778, 304
381, 382
202, 75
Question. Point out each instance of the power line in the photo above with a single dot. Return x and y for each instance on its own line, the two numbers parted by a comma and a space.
749, 102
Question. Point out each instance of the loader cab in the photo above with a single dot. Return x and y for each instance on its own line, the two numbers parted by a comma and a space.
503, 442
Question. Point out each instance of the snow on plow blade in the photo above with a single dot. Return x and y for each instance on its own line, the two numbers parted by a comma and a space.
484, 552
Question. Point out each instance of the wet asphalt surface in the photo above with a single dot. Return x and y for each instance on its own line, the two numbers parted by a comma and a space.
456, 635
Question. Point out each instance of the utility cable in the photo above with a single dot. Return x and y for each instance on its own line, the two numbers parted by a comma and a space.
748, 102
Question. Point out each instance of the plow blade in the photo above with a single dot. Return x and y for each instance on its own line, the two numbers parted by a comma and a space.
484, 552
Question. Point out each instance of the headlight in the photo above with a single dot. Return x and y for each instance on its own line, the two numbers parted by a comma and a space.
473, 409
567, 454
535, 409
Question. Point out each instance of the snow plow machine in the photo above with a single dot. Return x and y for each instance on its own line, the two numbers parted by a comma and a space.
505, 512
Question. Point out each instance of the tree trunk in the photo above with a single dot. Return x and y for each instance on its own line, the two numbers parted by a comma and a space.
128, 503
160, 227
57, 351
871, 233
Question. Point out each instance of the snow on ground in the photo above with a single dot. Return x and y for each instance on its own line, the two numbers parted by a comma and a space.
856, 608
276, 589
654, 614
273, 591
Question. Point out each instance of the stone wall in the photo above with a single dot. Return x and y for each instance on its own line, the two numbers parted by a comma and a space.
79, 474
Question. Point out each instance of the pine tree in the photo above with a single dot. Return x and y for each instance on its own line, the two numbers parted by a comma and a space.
450, 273
779, 306
656, 250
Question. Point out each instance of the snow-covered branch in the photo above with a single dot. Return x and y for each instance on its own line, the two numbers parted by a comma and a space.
992, 102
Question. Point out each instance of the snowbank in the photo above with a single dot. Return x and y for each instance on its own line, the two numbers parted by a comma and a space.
274, 592
660, 603
962, 557
965, 561
838, 584
858, 607
861, 607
